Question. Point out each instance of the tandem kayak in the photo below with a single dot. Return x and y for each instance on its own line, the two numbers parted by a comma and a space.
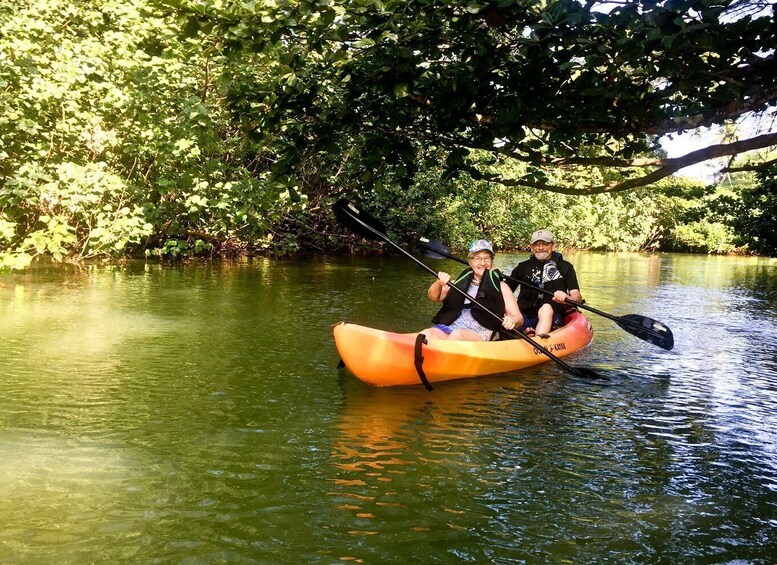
382, 358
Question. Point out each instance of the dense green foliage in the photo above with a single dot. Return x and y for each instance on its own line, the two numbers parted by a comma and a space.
552, 84
679, 215
750, 208
116, 138
756, 221
129, 128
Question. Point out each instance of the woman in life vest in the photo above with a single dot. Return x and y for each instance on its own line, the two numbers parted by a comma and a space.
461, 319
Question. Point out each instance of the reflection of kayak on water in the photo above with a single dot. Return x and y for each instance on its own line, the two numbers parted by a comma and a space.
383, 358
383, 431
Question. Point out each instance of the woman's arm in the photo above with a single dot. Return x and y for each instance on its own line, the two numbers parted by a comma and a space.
511, 306
439, 289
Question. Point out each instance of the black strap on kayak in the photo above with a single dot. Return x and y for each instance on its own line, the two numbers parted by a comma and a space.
419, 360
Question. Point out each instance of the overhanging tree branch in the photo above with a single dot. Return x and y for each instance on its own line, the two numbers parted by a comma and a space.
731, 110
562, 83
750, 167
668, 167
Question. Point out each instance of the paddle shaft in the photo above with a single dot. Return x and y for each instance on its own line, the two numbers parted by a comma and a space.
514, 333
616, 319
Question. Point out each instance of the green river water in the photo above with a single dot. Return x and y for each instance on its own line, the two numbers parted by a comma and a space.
195, 414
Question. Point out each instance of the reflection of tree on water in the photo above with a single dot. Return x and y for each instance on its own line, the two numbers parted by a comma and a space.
403, 455
525, 455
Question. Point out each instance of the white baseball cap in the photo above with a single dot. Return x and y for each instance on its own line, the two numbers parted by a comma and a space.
542, 235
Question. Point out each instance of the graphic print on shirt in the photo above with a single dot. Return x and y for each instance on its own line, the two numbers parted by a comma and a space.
548, 273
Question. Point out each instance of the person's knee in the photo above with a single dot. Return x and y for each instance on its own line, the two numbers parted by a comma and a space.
434, 333
464, 335
456, 335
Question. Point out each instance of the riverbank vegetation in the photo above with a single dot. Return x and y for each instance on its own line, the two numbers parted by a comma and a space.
209, 128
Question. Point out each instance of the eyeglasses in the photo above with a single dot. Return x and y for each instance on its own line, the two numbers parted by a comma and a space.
481, 259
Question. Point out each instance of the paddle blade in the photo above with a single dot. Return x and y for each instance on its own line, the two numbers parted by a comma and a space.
358, 221
585, 373
647, 329
434, 249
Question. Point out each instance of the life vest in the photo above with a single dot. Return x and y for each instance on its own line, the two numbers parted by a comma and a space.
489, 295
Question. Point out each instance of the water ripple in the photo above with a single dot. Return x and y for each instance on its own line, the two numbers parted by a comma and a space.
162, 414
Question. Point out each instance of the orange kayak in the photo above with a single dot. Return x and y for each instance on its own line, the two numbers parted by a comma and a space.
382, 358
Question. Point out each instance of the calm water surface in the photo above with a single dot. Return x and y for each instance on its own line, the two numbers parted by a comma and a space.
195, 414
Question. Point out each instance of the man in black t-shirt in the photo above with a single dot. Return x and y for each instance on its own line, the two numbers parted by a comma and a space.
546, 269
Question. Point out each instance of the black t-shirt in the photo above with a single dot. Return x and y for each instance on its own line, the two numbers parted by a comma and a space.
553, 274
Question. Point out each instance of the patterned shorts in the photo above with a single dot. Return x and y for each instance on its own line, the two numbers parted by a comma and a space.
466, 322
